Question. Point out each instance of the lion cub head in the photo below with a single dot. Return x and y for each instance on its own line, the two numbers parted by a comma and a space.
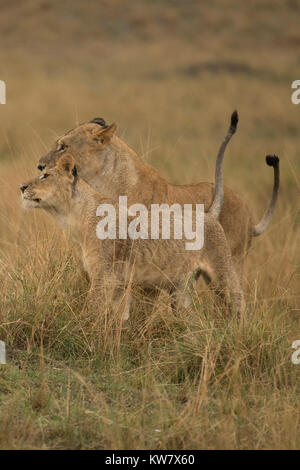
53, 189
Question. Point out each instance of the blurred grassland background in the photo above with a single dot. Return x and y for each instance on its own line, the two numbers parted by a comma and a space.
169, 73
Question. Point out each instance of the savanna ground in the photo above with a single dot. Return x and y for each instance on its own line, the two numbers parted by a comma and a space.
169, 73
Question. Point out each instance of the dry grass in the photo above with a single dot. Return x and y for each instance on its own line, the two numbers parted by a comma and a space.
170, 74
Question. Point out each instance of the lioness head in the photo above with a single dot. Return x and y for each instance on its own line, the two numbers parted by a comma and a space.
102, 159
53, 188
82, 142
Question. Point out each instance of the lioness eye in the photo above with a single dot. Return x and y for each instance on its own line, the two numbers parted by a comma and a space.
62, 147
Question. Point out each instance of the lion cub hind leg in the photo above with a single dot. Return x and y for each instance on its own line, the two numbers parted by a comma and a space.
225, 280
122, 301
109, 294
182, 293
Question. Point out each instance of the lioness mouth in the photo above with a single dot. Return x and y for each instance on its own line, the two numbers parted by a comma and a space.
36, 200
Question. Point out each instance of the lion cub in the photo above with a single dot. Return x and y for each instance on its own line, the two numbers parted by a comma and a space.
115, 265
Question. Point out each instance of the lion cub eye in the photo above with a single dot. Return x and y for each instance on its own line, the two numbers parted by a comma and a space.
43, 177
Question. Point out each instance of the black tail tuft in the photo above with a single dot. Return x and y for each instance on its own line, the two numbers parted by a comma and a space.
234, 120
272, 160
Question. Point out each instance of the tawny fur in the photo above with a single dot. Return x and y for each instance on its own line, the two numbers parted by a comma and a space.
106, 163
116, 265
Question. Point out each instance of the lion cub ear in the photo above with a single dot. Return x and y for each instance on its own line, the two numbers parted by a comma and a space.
66, 164
104, 135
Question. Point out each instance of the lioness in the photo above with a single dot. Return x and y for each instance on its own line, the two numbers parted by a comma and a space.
106, 163
114, 265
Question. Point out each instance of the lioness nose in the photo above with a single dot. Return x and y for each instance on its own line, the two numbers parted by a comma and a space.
25, 186
41, 167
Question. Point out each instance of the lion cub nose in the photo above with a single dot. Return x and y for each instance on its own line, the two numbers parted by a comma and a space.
25, 186
41, 167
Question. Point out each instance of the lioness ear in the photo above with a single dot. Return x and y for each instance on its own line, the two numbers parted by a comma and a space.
66, 164
99, 121
104, 135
